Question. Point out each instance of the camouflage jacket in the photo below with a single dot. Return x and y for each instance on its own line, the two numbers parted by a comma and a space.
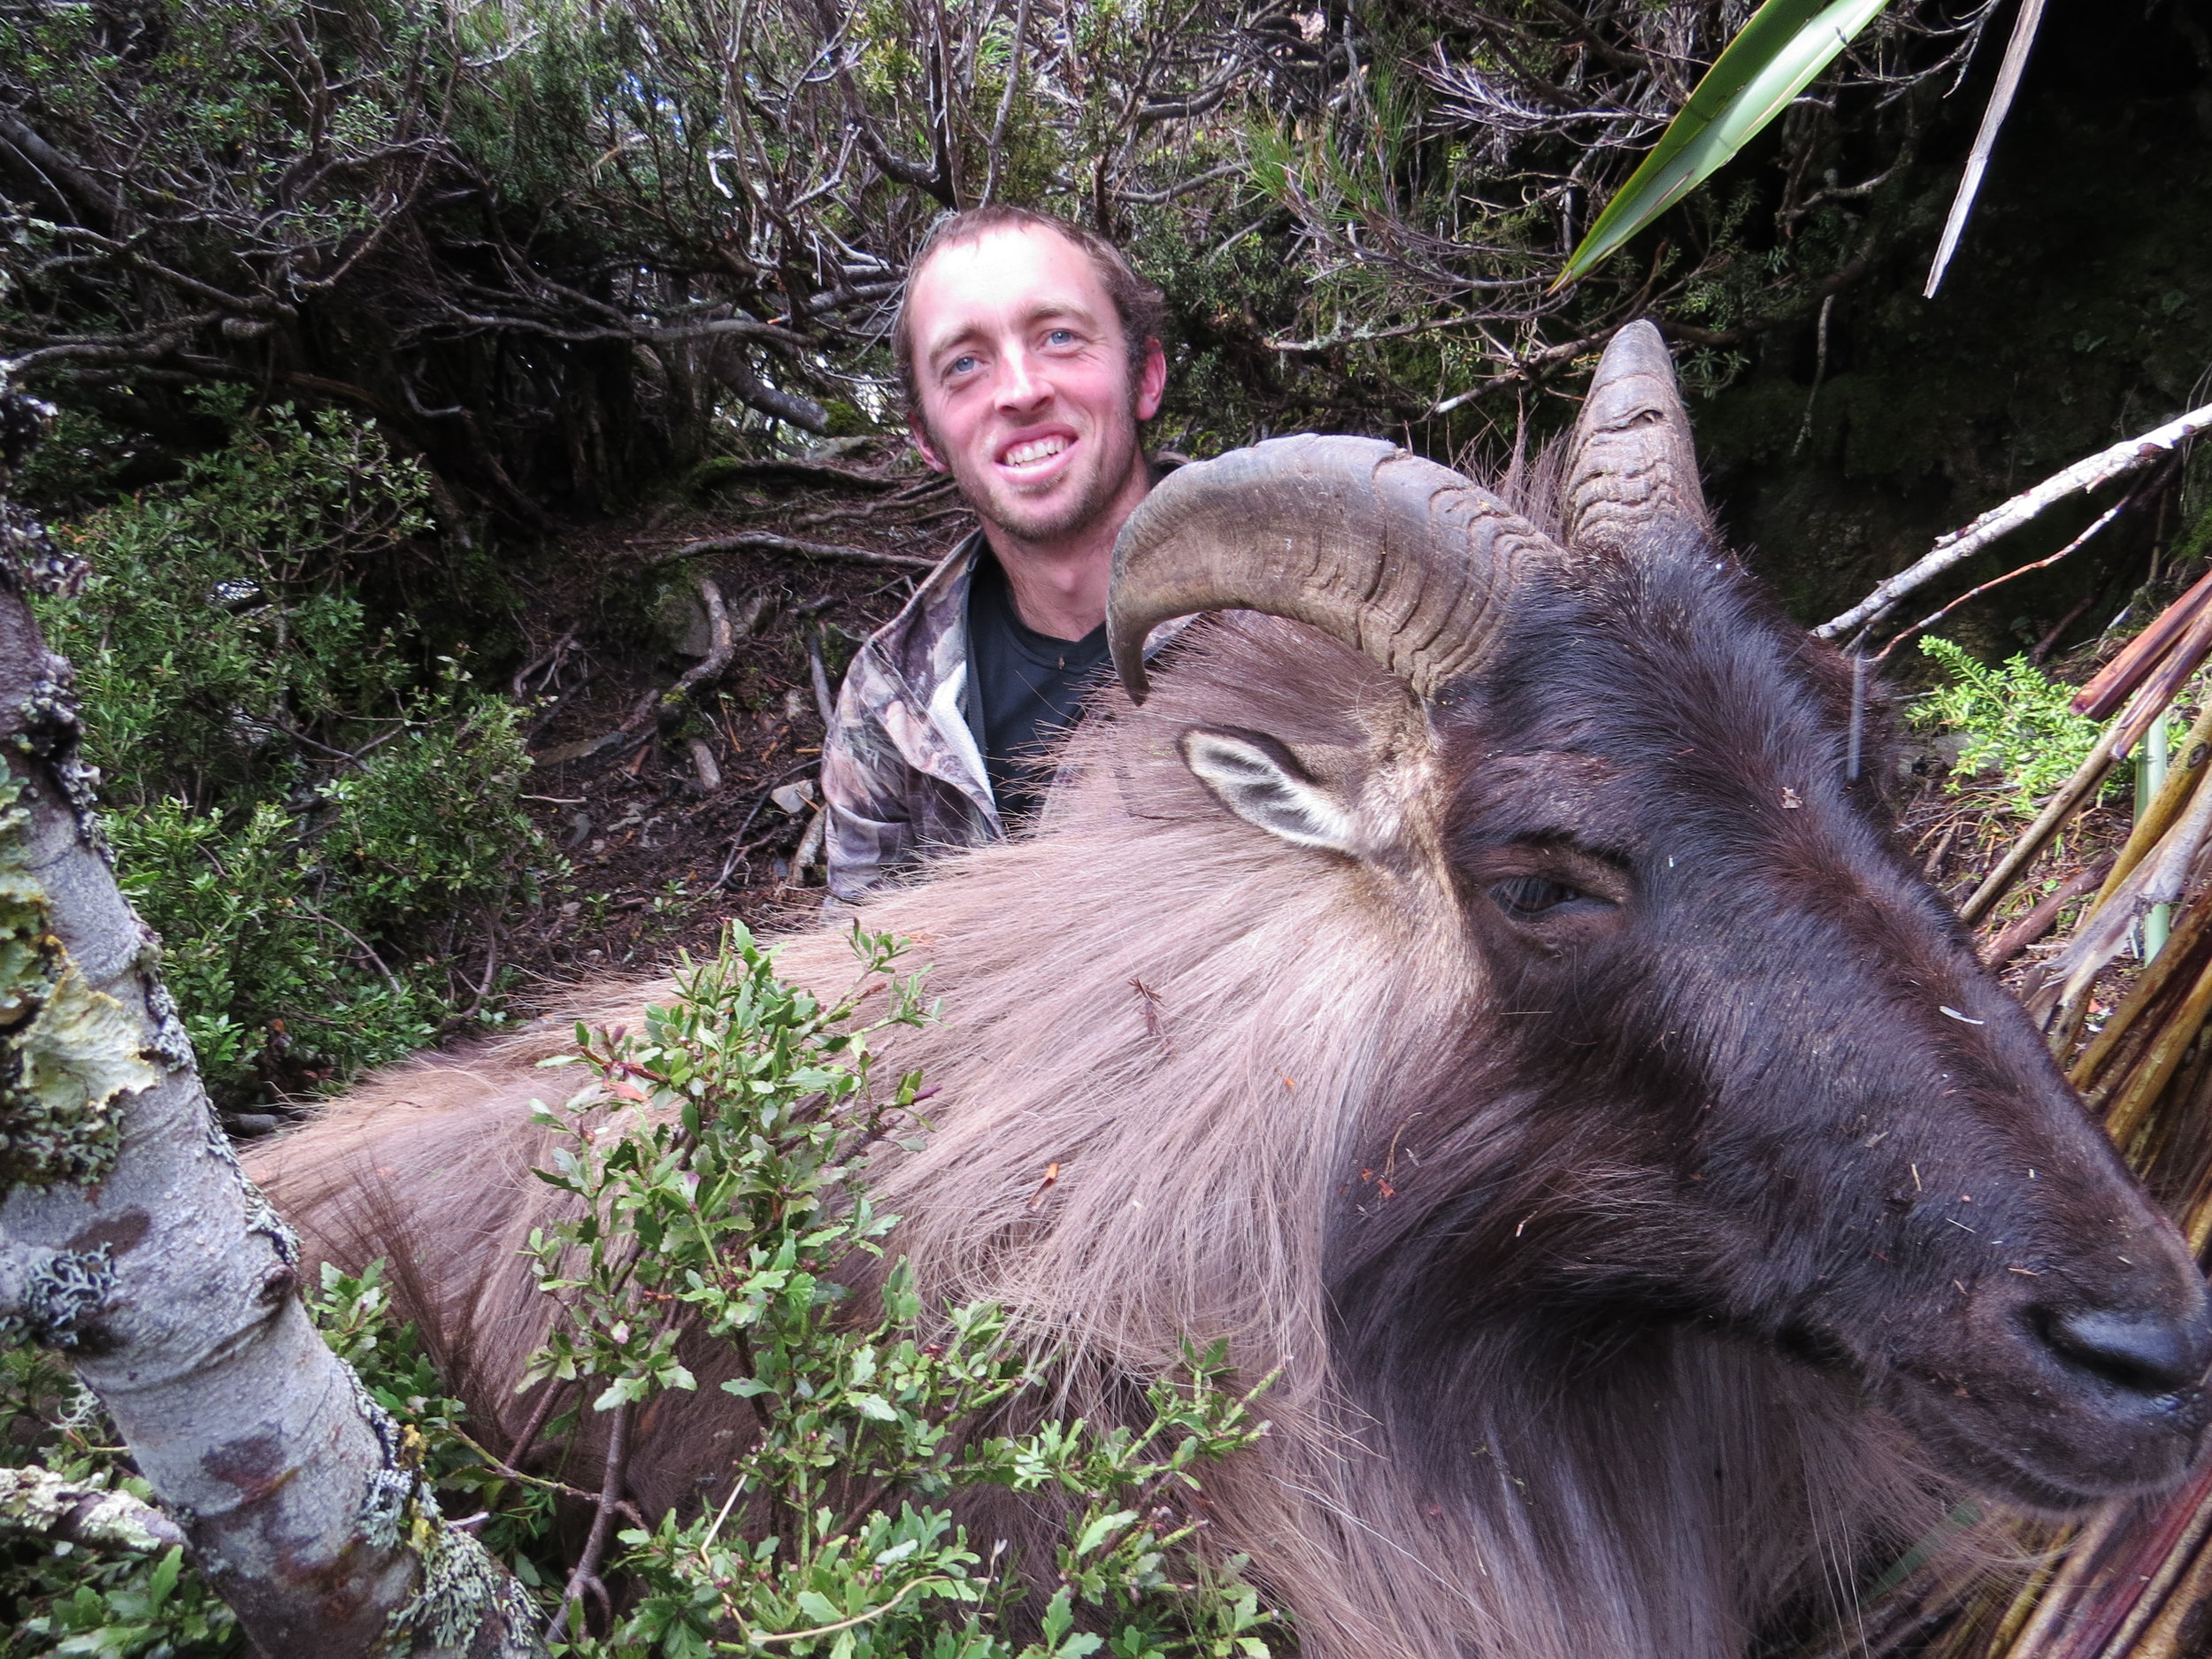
902, 766
901, 770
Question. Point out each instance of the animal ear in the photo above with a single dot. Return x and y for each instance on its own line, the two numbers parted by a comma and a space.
1261, 781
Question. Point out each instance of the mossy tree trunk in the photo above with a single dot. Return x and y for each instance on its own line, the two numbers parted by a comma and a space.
131, 1240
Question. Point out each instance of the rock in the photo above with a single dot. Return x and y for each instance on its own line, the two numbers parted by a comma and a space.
681, 619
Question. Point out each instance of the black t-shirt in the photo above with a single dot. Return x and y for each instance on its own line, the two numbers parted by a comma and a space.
1024, 688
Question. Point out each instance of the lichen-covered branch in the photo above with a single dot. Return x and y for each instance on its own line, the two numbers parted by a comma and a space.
131, 1242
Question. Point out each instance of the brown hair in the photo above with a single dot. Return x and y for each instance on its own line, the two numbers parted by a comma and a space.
1137, 302
1211, 1126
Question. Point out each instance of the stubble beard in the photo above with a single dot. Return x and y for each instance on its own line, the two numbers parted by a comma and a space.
1061, 514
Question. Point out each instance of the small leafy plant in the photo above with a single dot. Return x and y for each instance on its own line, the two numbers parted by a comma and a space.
730, 1204
2015, 720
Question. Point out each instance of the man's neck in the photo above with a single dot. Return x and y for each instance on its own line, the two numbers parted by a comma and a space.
1062, 594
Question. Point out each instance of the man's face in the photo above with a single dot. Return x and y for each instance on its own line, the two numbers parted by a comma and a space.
1024, 383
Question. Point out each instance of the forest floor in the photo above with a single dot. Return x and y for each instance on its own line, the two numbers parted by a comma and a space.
696, 818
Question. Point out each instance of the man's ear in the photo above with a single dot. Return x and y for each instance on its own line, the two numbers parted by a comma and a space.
919, 433
1151, 381
1261, 781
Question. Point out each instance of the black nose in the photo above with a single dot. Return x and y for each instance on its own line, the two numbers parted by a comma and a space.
2146, 1353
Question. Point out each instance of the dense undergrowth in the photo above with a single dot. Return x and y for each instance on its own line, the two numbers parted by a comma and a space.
733, 1202
313, 806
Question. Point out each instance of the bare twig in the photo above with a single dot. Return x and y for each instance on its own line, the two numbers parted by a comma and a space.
2158, 880
35, 1498
1523, 369
587, 1573
1960, 545
1930, 620
1006, 101
825, 702
704, 672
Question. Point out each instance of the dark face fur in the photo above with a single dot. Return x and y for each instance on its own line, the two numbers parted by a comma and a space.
1762, 1082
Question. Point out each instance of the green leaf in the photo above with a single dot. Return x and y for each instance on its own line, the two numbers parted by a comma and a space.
165, 1579
1779, 52
1101, 1529
874, 1406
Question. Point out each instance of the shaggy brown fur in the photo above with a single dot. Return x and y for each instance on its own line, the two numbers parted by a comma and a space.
1582, 1239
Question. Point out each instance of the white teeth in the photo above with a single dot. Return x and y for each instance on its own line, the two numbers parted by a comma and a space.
1035, 449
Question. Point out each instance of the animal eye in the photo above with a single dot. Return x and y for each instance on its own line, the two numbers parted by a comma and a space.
1533, 896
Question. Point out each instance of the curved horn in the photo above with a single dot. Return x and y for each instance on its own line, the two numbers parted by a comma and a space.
1397, 556
1631, 465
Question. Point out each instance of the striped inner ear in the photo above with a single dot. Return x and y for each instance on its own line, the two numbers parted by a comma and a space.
1261, 781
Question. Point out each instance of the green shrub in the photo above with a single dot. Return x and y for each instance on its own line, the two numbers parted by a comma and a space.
2014, 721
730, 1204
58, 1598
305, 804
732, 1200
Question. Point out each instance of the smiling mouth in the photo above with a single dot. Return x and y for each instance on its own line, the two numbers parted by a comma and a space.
1034, 451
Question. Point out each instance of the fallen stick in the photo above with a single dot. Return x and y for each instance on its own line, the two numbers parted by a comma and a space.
2074, 546
1960, 545
2044, 916
722, 647
2158, 816
769, 541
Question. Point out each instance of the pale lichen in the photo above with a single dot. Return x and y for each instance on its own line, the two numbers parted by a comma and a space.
47, 730
461, 1586
35, 1498
261, 1215
69, 1053
59, 1291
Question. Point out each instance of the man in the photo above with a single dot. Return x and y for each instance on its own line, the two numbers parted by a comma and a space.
1028, 352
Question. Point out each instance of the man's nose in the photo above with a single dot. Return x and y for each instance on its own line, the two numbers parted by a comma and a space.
1020, 385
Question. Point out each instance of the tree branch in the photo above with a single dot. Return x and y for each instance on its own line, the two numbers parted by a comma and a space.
1961, 545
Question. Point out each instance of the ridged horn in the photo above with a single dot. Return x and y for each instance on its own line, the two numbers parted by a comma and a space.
1630, 466
1399, 557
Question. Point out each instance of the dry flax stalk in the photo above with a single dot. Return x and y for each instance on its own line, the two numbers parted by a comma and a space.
1993, 113
2179, 957
2160, 879
2135, 1583
2144, 1576
2181, 781
2132, 1103
2110, 686
2176, 1553
2045, 916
